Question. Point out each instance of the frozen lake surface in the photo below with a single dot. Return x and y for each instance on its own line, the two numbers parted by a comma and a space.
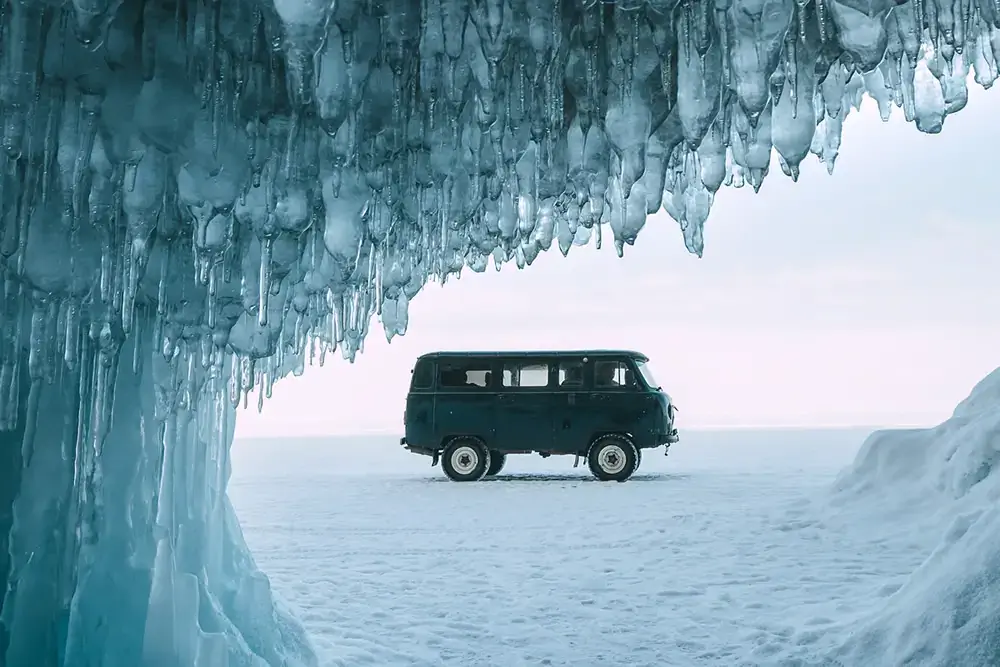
725, 553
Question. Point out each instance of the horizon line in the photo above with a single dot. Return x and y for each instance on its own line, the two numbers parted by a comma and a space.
724, 427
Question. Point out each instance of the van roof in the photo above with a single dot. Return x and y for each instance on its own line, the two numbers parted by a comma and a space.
631, 354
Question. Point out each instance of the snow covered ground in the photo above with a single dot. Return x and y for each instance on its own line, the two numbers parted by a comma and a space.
732, 551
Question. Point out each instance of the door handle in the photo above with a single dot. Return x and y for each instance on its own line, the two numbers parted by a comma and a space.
571, 398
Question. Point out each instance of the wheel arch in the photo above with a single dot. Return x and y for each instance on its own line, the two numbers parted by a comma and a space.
448, 439
598, 435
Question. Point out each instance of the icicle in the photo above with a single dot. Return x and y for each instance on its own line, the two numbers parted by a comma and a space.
137, 345
824, 28
89, 111
235, 380
37, 340
264, 280
210, 305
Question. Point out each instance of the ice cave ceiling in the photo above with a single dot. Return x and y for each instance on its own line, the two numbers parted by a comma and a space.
265, 175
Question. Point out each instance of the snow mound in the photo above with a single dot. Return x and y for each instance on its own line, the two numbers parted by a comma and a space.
930, 466
944, 479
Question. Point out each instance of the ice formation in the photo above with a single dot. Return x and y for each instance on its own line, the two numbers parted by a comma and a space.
198, 196
945, 480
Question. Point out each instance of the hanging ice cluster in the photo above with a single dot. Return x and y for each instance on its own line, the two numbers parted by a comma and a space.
198, 195
309, 162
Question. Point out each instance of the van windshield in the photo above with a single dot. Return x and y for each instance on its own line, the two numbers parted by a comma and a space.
647, 374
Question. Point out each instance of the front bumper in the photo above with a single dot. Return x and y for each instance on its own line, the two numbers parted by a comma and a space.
668, 438
671, 435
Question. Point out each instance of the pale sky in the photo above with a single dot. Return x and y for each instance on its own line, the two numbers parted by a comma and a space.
870, 297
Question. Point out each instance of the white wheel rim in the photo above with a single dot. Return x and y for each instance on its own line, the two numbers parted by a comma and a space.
464, 459
611, 459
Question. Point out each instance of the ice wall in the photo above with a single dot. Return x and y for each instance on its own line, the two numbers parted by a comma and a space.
945, 482
123, 550
213, 192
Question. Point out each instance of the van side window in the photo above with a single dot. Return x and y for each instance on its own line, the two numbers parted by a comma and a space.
423, 375
570, 373
458, 375
613, 374
525, 375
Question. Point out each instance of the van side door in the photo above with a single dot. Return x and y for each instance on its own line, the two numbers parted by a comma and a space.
571, 420
463, 400
523, 422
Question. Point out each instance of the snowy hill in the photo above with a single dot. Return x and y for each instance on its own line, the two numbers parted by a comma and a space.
945, 480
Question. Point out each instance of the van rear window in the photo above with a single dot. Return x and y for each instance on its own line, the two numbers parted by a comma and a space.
464, 375
423, 375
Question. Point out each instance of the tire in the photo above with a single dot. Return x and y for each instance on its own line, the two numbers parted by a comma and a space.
497, 460
612, 458
638, 459
465, 460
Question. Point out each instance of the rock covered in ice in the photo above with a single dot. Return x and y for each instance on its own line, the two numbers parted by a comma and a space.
945, 479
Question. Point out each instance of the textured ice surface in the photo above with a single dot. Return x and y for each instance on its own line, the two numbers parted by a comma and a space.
731, 553
201, 195
695, 562
741, 548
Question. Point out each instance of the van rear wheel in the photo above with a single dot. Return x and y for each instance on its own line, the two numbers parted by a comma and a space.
612, 458
465, 460
497, 459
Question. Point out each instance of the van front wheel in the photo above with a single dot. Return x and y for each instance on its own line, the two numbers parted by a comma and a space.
612, 458
465, 460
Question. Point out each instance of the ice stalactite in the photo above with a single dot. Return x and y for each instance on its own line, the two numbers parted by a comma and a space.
195, 190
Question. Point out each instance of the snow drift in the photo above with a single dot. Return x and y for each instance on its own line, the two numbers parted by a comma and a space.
944, 481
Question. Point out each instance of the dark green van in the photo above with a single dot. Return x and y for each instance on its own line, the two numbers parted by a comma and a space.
469, 410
